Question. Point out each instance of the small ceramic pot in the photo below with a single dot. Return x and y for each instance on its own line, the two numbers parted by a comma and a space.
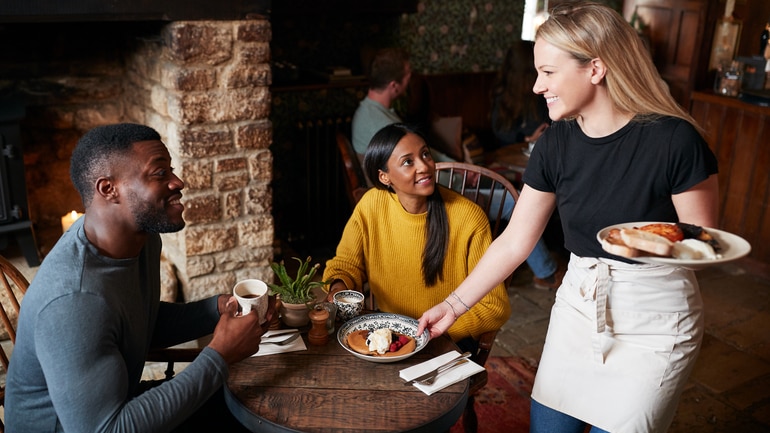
349, 304
295, 315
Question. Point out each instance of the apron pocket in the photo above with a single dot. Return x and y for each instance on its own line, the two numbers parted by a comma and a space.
645, 340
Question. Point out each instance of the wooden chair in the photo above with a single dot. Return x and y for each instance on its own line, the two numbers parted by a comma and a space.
15, 285
492, 192
356, 184
489, 189
172, 355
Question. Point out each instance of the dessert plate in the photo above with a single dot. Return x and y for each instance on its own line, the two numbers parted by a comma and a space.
733, 247
396, 322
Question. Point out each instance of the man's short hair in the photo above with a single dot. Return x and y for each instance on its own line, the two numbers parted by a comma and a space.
388, 64
96, 148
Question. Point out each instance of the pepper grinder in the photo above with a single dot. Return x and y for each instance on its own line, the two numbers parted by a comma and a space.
318, 335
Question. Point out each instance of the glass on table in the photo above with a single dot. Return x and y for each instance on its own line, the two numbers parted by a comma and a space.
332, 309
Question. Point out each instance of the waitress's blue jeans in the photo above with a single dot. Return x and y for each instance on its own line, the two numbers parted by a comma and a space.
540, 260
543, 419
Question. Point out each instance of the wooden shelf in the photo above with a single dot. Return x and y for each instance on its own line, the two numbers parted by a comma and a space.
713, 98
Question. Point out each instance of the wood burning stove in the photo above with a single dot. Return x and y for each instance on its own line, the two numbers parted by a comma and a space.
14, 220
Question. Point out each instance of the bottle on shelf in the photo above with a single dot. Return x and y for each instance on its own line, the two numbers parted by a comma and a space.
730, 79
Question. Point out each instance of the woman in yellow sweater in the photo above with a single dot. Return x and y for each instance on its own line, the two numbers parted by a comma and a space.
412, 241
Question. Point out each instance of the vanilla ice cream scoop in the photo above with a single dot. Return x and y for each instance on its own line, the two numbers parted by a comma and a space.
379, 340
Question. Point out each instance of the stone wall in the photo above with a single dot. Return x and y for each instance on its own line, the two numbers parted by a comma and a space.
204, 86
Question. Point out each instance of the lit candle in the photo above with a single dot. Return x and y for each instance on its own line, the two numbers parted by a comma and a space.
67, 220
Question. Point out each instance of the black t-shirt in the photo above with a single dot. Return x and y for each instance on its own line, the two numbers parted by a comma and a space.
626, 176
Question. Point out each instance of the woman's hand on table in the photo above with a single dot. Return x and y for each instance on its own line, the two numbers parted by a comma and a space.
334, 287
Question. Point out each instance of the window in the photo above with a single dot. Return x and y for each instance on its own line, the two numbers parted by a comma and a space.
535, 12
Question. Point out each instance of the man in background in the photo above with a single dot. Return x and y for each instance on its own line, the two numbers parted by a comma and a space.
389, 76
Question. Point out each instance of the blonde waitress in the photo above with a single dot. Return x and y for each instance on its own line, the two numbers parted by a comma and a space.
623, 337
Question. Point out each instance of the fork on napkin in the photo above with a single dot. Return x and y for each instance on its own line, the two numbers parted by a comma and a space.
278, 335
449, 377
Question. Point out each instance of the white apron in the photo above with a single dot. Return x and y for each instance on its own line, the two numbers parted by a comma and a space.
621, 343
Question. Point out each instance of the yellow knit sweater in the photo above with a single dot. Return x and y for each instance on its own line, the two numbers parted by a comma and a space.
383, 244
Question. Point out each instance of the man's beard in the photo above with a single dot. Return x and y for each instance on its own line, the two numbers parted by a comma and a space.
153, 220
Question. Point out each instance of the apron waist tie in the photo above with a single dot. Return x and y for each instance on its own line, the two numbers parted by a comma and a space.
600, 318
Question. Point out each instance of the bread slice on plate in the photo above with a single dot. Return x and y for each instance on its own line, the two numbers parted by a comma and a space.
613, 244
646, 241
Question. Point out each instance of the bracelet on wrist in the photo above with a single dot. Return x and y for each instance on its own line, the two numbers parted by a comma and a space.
452, 307
467, 308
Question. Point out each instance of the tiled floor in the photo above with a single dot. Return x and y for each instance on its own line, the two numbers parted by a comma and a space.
729, 391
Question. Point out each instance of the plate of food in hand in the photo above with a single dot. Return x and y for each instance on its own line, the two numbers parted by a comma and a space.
675, 244
382, 337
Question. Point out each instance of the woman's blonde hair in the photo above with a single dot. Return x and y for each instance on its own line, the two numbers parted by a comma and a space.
588, 31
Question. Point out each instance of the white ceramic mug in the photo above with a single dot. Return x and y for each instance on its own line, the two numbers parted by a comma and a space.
252, 295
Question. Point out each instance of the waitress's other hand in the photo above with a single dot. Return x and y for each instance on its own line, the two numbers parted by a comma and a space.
436, 320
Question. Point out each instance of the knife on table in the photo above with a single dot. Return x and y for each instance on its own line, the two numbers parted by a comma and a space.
450, 364
279, 333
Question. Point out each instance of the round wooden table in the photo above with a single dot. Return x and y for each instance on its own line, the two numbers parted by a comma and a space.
327, 389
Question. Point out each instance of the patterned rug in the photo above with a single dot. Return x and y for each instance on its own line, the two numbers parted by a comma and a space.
502, 406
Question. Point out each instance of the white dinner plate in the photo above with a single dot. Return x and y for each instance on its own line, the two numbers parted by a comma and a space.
733, 247
395, 322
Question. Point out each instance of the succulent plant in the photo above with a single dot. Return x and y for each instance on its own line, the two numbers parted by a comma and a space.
298, 290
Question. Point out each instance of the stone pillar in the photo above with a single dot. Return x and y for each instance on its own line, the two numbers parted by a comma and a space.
204, 86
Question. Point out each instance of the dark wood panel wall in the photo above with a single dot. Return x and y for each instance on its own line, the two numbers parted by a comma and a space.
738, 133
464, 94
675, 29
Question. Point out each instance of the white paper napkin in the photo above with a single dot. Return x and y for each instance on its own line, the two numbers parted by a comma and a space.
278, 335
445, 379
